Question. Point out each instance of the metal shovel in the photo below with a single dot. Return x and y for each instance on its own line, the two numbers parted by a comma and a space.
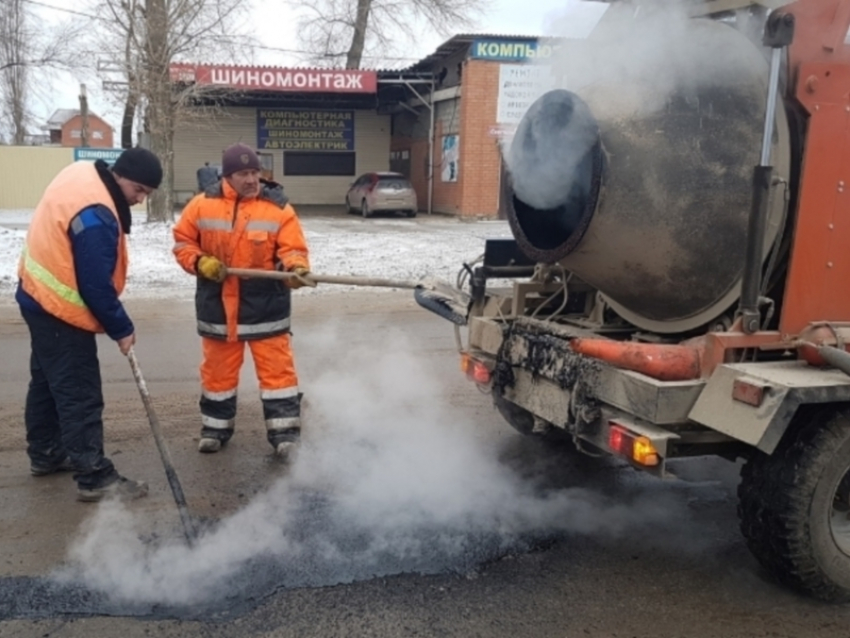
435, 295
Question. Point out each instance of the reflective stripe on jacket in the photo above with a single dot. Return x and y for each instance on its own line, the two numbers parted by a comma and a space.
261, 232
46, 268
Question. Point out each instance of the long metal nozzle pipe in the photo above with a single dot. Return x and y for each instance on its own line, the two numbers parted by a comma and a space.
316, 278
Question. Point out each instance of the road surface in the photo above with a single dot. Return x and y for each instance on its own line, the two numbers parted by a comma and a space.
412, 510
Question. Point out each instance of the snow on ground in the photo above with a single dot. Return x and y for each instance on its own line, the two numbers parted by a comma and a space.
385, 247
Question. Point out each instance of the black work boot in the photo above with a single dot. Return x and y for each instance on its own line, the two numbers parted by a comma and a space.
122, 488
285, 442
212, 440
65, 465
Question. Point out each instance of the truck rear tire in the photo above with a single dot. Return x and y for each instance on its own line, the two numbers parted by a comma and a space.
794, 505
522, 420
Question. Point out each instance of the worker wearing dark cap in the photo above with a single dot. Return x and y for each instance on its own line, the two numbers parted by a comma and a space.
207, 176
71, 273
244, 222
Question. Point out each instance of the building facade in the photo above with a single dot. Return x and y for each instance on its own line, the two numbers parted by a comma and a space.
314, 129
443, 122
483, 86
65, 128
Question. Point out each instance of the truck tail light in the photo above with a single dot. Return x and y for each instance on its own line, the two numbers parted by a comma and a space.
632, 446
474, 369
480, 373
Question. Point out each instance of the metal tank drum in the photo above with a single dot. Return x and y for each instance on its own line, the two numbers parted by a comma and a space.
640, 181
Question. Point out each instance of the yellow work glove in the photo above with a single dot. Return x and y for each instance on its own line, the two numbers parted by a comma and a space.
301, 278
211, 268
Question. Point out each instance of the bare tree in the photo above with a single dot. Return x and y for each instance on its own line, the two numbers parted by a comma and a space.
347, 30
150, 35
13, 63
25, 46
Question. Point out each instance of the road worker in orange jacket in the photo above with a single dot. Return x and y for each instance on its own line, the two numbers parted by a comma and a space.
244, 222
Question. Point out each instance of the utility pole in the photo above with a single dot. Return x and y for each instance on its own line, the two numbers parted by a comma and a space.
84, 116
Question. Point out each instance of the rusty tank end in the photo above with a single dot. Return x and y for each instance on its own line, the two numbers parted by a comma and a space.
644, 196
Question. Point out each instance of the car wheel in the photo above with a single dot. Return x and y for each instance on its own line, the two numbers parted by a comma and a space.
411, 213
364, 209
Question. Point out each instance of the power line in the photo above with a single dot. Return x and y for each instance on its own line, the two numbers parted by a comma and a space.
256, 46
63, 9
305, 52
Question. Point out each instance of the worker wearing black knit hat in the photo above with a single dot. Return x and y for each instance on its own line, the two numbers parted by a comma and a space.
139, 165
72, 271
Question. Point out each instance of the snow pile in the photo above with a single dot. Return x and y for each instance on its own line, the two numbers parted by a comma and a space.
386, 248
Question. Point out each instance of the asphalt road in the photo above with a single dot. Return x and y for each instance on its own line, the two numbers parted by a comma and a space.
412, 510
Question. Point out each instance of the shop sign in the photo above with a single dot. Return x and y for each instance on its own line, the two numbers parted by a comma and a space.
108, 155
277, 79
502, 132
504, 50
305, 130
519, 86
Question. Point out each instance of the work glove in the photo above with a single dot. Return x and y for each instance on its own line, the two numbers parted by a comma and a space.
301, 278
211, 268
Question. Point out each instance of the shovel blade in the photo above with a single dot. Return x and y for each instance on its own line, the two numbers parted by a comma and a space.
442, 299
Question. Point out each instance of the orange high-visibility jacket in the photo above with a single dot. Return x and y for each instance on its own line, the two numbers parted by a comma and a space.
261, 232
46, 268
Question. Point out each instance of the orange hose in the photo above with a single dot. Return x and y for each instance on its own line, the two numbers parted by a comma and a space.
664, 362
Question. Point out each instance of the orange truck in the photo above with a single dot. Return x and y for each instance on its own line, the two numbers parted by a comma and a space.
678, 282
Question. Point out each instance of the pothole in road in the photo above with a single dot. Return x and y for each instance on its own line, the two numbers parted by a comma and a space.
314, 550
316, 541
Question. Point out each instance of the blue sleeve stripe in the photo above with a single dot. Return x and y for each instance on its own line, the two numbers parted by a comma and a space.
91, 217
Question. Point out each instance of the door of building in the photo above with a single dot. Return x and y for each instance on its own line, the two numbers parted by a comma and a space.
400, 162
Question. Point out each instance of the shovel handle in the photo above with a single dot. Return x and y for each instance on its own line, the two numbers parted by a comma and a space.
170, 473
327, 279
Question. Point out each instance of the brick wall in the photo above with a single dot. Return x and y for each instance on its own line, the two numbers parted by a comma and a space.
100, 133
447, 195
472, 117
418, 148
480, 160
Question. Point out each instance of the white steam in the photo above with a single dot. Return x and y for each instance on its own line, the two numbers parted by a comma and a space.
393, 472
626, 61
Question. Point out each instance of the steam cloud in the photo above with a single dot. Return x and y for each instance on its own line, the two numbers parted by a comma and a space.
389, 480
625, 68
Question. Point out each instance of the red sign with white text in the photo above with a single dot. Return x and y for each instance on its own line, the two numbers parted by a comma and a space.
266, 78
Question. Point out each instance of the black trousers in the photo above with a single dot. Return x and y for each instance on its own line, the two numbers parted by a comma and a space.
64, 406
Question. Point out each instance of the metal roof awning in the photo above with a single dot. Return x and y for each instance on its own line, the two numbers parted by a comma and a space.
259, 99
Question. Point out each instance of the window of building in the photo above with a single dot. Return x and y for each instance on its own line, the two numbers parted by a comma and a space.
300, 163
98, 135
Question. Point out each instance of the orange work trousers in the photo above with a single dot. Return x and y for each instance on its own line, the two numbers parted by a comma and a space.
275, 368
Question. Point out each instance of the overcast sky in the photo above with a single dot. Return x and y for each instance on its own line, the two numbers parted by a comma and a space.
276, 27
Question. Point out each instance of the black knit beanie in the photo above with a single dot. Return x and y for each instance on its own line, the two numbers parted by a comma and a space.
139, 165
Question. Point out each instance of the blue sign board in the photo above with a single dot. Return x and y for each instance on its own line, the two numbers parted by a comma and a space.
305, 130
108, 155
511, 50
